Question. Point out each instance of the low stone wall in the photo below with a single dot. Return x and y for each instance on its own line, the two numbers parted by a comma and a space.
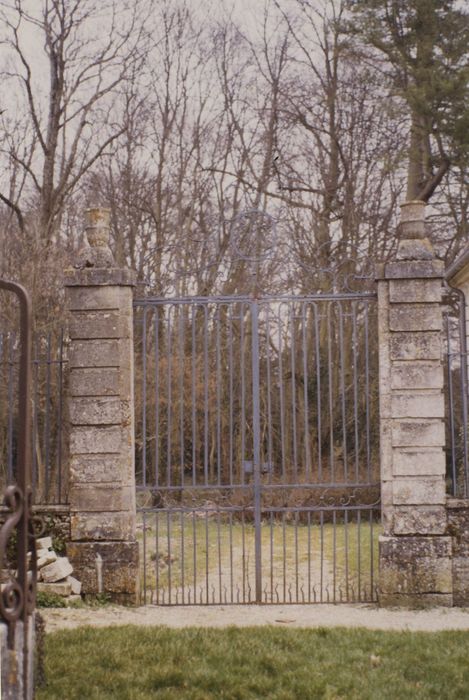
107, 567
416, 571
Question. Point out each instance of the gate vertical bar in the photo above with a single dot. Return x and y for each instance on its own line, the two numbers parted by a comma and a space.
256, 429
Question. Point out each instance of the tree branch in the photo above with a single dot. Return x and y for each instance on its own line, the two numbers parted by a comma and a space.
430, 186
14, 207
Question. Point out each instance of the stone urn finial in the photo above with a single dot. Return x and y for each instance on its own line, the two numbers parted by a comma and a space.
98, 254
97, 227
414, 243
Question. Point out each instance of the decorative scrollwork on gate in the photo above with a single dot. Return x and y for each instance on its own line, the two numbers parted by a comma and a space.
249, 250
355, 497
12, 595
338, 267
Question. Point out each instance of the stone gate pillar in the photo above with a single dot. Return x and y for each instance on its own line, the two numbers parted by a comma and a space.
414, 551
103, 549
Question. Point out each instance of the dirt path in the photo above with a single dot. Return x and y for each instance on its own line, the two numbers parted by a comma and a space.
279, 615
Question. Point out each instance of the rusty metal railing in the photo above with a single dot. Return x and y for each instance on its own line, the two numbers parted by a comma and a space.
18, 594
48, 431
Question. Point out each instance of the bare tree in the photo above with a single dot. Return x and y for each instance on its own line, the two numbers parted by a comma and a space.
56, 128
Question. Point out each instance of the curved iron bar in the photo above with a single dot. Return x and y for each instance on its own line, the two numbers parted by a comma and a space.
344, 269
12, 595
261, 248
328, 500
38, 525
31, 580
19, 595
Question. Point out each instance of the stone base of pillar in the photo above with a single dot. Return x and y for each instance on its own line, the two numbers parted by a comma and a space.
107, 567
458, 527
415, 571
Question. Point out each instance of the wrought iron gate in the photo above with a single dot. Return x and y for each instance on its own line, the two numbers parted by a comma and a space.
257, 448
456, 391
17, 537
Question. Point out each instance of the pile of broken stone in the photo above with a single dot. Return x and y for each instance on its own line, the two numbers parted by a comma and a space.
54, 572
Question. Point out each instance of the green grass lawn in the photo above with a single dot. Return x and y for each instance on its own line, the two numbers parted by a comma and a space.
138, 663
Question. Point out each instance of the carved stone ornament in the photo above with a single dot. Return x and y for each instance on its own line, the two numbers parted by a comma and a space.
414, 243
98, 252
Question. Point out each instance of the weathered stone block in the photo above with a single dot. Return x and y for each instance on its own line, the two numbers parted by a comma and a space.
414, 269
415, 290
418, 433
101, 467
415, 569
419, 490
406, 550
424, 520
94, 298
97, 497
102, 381
87, 440
117, 567
423, 578
94, 324
62, 589
415, 249
418, 345
94, 353
418, 405
44, 557
461, 581
95, 410
415, 317
417, 375
75, 585
458, 526
419, 462
44, 543
102, 526
58, 570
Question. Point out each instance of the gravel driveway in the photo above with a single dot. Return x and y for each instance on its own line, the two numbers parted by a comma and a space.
369, 616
